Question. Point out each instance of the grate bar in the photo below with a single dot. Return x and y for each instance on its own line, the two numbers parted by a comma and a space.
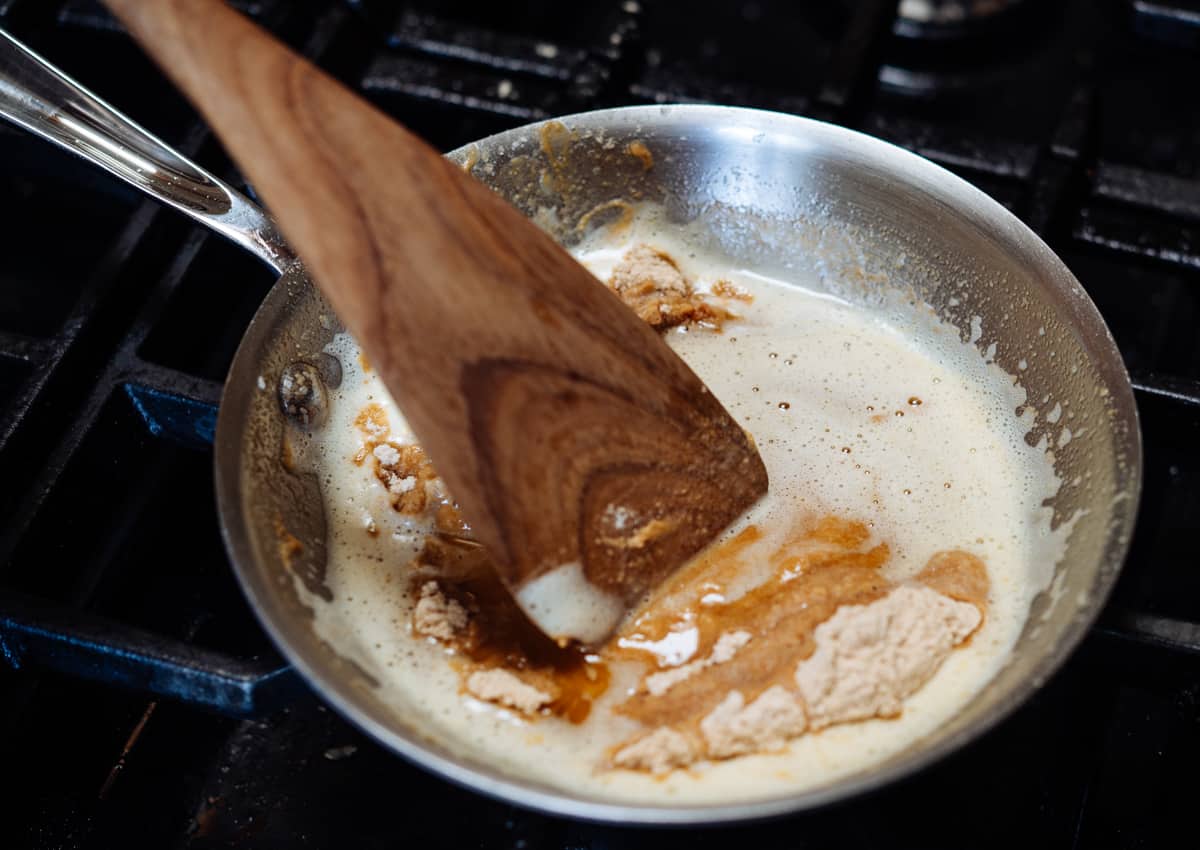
856, 60
657, 85
1076, 128
399, 75
961, 149
1169, 22
1182, 390
1150, 190
25, 348
1152, 630
34, 633
92, 14
435, 37
1171, 242
176, 416
175, 382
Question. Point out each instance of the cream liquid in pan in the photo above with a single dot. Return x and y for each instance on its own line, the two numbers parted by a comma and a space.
887, 419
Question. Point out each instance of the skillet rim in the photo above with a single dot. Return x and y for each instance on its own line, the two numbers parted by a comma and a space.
1086, 321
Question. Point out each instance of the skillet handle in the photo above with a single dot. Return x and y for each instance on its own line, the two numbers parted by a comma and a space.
37, 96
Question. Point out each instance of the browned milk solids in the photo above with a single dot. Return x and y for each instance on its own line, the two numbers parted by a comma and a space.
745, 694
797, 623
757, 639
740, 690
651, 283
464, 605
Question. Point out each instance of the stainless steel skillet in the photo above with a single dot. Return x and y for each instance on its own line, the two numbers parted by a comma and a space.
873, 222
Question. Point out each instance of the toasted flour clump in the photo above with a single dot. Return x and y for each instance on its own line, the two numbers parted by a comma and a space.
734, 728
436, 615
504, 688
870, 657
659, 752
650, 282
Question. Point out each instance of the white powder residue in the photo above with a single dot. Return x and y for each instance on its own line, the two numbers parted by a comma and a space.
375, 429
388, 455
400, 486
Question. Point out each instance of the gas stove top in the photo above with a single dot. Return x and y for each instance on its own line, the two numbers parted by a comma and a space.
143, 706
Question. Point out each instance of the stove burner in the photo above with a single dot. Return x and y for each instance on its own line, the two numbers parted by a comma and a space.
966, 49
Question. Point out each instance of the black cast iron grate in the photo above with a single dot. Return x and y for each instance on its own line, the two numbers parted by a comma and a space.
118, 321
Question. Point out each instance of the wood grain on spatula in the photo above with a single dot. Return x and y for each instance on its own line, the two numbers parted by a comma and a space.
585, 454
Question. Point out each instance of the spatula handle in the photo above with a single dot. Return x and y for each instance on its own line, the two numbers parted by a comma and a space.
42, 99
313, 149
547, 406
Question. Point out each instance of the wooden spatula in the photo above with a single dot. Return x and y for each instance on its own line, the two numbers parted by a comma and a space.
585, 454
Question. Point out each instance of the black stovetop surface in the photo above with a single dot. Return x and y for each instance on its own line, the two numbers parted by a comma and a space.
118, 320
